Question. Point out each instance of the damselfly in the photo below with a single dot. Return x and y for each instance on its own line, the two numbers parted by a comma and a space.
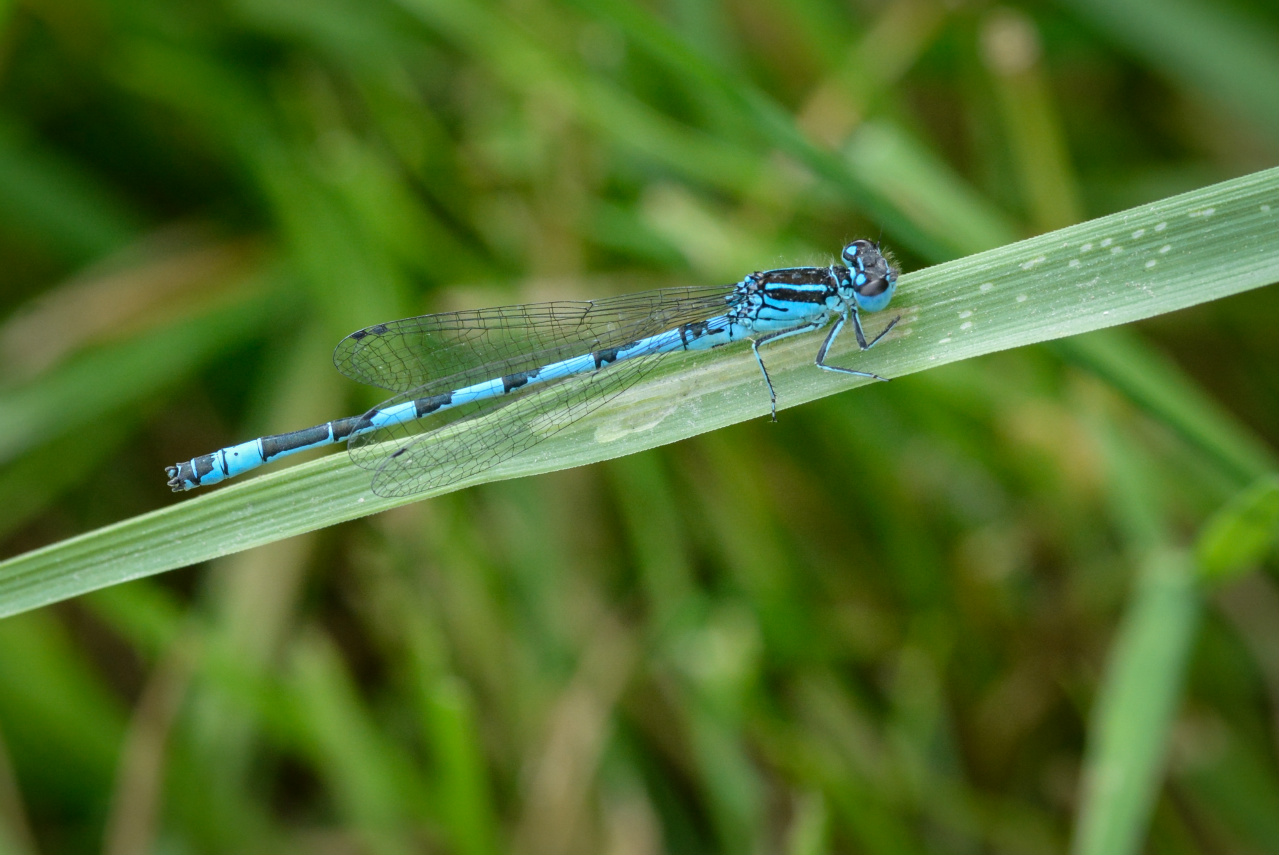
558, 361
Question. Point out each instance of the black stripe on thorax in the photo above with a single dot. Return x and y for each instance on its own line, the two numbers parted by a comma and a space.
814, 295
795, 276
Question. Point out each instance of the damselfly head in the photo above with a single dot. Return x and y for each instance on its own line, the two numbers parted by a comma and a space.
871, 276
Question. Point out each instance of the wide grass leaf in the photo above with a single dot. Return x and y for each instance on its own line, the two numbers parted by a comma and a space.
1158, 258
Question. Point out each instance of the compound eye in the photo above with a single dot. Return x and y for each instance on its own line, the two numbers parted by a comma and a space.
855, 252
870, 286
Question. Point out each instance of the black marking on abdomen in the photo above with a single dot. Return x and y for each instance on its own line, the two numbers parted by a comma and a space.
608, 355
342, 428
515, 381
202, 466
426, 406
181, 476
274, 446
692, 331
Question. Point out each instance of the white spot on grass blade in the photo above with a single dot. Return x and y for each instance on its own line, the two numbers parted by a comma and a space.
1150, 264
1163, 250
966, 325
986, 286
1161, 227
1021, 298
966, 314
1138, 233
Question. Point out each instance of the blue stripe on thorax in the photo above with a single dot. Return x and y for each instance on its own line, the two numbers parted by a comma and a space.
789, 298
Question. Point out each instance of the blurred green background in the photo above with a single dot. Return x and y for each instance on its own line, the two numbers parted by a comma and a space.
962, 612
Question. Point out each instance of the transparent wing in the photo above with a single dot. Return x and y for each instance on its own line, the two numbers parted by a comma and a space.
431, 354
370, 450
428, 459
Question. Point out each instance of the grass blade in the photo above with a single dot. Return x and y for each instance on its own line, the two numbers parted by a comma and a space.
1134, 712
1223, 54
1182, 251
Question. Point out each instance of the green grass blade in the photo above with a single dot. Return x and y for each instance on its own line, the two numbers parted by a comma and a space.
1182, 251
1230, 58
29, 484
1134, 711
57, 203
1239, 535
1237, 788
1152, 382
122, 374
373, 785
467, 812
757, 113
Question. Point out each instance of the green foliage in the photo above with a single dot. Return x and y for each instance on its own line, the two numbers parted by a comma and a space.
1239, 536
1019, 600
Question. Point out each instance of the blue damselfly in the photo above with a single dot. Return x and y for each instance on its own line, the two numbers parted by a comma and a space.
457, 367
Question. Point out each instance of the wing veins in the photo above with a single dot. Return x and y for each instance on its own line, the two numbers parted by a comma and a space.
430, 354
427, 461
